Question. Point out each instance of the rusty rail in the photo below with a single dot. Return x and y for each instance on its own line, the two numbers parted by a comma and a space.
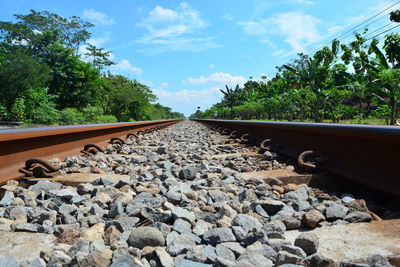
368, 155
20, 145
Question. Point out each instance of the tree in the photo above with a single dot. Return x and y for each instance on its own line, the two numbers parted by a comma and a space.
388, 63
98, 57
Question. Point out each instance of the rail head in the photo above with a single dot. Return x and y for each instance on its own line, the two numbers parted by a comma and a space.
367, 154
18, 146
24, 133
385, 133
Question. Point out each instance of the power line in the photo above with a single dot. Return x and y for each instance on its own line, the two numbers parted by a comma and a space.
380, 11
368, 19
380, 28
383, 32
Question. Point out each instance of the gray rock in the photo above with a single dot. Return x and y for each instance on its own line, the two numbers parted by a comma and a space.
182, 226
42, 215
294, 250
126, 261
274, 226
201, 227
106, 181
301, 205
59, 257
7, 199
255, 235
335, 211
271, 206
247, 222
8, 261
82, 246
257, 259
219, 235
146, 176
46, 186
296, 195
187, 173
78, 199
378, 260
262, 249
66, 193
225, 253
188, 263
161, 150
181, 213
285, 257
275, 181
196, 254
85, 188
260, 211
27, 227
269, 155
308, 242
165, 164
357, 216
239, 233
116, 209
292, 223
181, 243
19, 213
218, 196
164, 258
347, 198
67, 209
210, 253
145, 236
317, 260
235, 247
37, 262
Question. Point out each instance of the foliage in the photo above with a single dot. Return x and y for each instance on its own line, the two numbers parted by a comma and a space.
105, 119
341, 82
44, 79
70, 116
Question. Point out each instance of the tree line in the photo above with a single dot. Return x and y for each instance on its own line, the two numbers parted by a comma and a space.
359, 80
49, 74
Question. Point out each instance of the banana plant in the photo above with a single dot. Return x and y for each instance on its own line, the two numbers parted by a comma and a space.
388, 68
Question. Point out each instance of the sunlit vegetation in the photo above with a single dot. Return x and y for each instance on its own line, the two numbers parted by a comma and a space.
356, 82
50, 75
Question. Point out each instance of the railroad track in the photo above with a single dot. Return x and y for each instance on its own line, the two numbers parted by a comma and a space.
233, 193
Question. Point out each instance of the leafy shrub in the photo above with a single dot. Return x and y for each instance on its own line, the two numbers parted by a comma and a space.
70, 116
45, 115
105, 119
91, 113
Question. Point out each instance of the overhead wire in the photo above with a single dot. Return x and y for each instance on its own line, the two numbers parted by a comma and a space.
350, 30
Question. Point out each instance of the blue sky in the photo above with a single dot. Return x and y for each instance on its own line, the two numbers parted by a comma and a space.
186, 50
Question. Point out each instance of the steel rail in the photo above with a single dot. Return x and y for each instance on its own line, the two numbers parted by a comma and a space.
17, 146
365, 154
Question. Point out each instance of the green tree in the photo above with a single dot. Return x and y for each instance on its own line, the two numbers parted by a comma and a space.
388, 65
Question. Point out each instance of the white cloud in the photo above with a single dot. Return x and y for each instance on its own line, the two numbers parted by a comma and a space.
125, 65
218, 78
298, 30
98, 17
100, 41
176, 29
160, 14
211, 66
187, 101
334, 29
